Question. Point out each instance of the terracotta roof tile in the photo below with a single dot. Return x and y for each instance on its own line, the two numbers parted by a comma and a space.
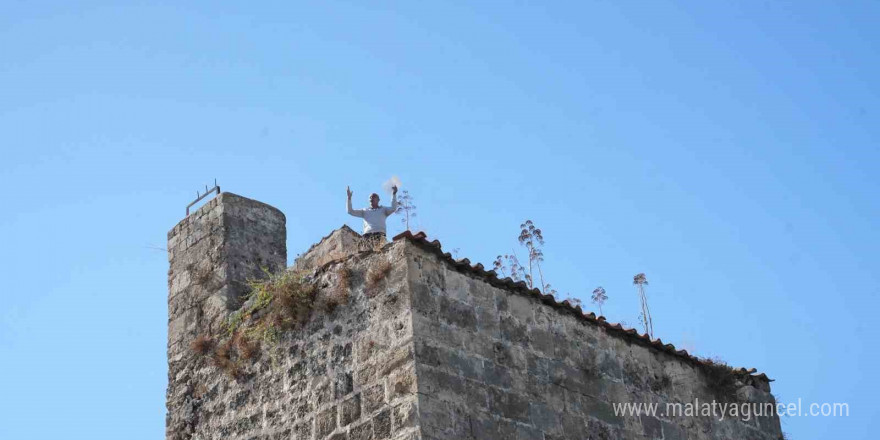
521, 287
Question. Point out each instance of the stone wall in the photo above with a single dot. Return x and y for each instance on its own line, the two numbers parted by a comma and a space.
345, 374
212, 252
496, 363
338, 244
433, 349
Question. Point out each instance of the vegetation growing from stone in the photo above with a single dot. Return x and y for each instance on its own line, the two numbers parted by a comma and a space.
376, 274
278, 303
202, 344
721, 379
532, 239
227, 360
640, 281
406, 206
506, 262
599, 297
339, 294
572, 301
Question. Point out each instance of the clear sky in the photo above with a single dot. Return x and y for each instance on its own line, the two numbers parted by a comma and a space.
729, 151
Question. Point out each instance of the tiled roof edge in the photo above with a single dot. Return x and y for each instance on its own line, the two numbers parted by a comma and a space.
464, 265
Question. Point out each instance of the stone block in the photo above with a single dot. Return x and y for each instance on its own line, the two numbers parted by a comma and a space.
404, 415
509, 405
457, 313
351, 410
325, 422
373, 398
382, 424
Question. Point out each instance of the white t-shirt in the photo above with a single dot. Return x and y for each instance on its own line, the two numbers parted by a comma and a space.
374, 219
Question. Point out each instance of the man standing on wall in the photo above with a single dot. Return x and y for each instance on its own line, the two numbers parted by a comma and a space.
374, 216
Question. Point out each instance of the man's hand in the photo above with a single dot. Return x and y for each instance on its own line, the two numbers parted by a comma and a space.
348, 191
394, 190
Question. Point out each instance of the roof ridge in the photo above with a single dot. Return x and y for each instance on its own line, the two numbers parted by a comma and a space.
420, 238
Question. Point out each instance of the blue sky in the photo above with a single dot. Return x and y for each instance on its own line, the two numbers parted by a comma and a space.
726, 150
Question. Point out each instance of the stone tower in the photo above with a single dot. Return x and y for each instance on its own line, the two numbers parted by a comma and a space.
212, 252
421, 346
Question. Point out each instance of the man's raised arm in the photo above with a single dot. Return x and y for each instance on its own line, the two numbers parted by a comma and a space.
354, 212
393, 207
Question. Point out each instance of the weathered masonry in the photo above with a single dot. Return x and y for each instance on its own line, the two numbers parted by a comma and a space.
425, 348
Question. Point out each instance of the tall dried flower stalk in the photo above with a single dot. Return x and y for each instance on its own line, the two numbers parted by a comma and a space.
640, 281
599, 298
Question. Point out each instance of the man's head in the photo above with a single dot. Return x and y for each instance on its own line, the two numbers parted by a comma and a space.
374, 200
